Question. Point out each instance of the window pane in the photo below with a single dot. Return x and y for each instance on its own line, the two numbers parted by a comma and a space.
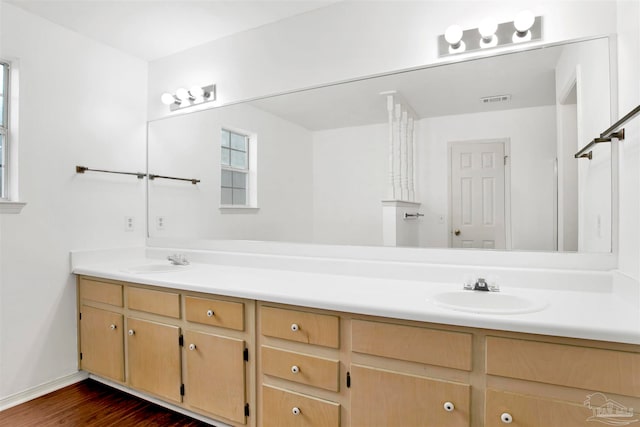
226, 196
238, 159
239, 197
224, 158
238, 142
227, 178
225, 138
239, 180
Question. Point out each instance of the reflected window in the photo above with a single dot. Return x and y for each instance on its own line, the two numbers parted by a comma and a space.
4, 126
234, 189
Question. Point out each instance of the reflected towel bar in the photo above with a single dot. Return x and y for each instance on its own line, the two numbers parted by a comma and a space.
608, 135
193, 181
83, 169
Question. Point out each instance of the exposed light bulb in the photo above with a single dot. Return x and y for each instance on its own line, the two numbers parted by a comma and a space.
167, 98
523, 22
453, 35
488, 29
183, 94
196, 92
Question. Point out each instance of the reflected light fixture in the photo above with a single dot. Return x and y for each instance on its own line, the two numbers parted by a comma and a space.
525, 28
186, 98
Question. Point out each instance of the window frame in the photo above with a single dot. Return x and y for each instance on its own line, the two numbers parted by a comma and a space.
247, 171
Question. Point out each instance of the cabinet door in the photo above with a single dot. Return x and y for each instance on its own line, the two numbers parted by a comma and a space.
154, 358
102, 343
405, 400
215, 374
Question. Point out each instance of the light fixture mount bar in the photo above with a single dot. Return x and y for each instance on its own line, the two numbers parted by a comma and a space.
209, 95
505, 36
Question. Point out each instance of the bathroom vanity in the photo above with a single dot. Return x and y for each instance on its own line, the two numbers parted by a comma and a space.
265, 347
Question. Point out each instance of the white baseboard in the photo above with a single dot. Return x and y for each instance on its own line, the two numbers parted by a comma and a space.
159, 402
41, 390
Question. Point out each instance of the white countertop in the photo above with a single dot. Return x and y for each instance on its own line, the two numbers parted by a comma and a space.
599, 314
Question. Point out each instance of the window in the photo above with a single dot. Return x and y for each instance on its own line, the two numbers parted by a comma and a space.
234, 156
4, 128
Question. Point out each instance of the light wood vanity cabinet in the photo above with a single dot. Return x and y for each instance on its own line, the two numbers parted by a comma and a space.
187, 349
251, 363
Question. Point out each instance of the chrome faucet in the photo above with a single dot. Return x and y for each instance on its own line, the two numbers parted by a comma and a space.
482, 285
178, 259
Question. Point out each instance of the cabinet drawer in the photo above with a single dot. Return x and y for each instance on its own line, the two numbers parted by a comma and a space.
422, 345
209, 311
301, 368
156, 302
581, 367
282, 408
532, 411
93, 290
310, 328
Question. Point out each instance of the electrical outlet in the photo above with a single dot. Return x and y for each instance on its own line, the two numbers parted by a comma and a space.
160, 222
129, 223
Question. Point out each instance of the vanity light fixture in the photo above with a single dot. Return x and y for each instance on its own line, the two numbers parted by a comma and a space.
525, 28
186, 98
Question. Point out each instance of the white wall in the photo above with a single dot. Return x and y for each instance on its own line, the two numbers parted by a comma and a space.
81, 103
532, 136
188, 146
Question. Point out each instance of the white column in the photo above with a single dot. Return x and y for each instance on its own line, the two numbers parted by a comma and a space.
404, 156
391, 190
410, 160
397, 189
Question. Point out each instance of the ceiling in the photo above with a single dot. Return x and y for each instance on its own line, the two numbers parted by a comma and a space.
151, 29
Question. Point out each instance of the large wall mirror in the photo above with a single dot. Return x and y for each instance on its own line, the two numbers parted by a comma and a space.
423, 158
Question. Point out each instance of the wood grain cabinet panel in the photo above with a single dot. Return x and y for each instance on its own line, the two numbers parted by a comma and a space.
156, 302
94, 290
215, 374
301, 326
154, 358
587, 368
414, 344
532, 411
385, 398
102, 343
215, 312
283, 408
301, 368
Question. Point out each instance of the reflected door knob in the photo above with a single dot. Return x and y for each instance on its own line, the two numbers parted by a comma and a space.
192, 347
506, 418
456, 232
112, 327
295, 410
131, 332
210, 313
294, 327
295, 369
448, 406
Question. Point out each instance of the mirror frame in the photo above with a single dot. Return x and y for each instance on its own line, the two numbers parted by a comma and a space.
446, 256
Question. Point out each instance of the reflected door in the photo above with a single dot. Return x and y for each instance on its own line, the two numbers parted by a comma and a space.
477, 196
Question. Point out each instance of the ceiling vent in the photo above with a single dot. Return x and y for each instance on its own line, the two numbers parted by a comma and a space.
495, 99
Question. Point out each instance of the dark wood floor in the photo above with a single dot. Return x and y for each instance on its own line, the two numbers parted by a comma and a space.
90, 403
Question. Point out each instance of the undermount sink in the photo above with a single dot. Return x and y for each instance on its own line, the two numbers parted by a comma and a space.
487, 302
155, 268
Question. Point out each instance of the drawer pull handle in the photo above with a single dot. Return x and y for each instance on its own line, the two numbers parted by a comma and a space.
295, 327
131, 332
295, 410
192, 347
210, 313
295, 369
112, 327
449, 406
506, 418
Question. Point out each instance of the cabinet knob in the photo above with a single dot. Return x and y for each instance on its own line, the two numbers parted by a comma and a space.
210, 313
131, 332
506, 418
112, 327
192, 347
295, 327
295, 369
295, 410
449, 406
